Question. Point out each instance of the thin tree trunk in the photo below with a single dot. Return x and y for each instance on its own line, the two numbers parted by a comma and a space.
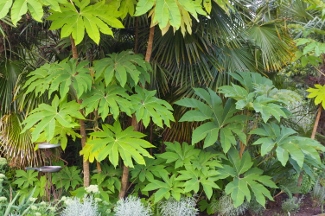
124, 182
85, 164
313, 134
125, 174
150, 44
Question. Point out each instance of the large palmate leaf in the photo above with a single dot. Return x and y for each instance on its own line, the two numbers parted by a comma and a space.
46, 118
318, 93
167, 187
147, 106
246, 179
123, 67
201, 172
221, 122
112, 99
21, 7
60, 77
176, 13
76, 17
180, 154
285, 142
259, 94
113, 142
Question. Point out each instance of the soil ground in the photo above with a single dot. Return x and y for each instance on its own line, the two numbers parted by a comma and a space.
306, 209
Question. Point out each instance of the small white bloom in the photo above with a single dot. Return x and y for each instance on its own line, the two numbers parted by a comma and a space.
32, 199
98, 199
92, 189
52, 209
3, 161
33, 207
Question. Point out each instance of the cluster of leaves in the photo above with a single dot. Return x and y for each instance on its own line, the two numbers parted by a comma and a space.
182, 170
104, 89
177, 14
223, 124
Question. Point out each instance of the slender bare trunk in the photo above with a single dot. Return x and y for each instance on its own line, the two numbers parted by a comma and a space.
313, 134
125, 174
85, 164
150, 44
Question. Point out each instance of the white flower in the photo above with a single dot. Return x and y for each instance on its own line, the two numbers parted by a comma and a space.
3, 161
52, 209
33, 207
92, 189
3, 199
32, 199
98, 199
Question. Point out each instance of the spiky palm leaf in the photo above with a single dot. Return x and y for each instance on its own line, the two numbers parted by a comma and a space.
16, 146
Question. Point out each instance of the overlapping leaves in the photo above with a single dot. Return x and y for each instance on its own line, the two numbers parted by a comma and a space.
285, 142
76, 17
318, 93
112, 99
176, 13
113, 142
181, 170
221, 121
246, 179
46, 118
258, 93
122, 67
60, 77
148, 107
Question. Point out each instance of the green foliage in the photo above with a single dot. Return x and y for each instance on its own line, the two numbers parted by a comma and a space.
291, 204
27, 181
246, 179
108, 179
285, 143
124, 67
318, 94
147, 106
110, 100
60, 77
68, 178
113, 142
180, 171
258, 94
46, 118
76, 17
224, 124
176, 13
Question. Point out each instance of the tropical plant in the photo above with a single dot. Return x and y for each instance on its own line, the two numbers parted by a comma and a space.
243, 178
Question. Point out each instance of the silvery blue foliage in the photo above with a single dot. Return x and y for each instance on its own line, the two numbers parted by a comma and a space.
225, 207
77, 207
131, 206
184, 207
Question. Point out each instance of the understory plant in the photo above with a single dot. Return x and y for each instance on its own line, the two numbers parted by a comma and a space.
243, 121
131, 206
82, 207
318, 195
186, 206
291, 204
